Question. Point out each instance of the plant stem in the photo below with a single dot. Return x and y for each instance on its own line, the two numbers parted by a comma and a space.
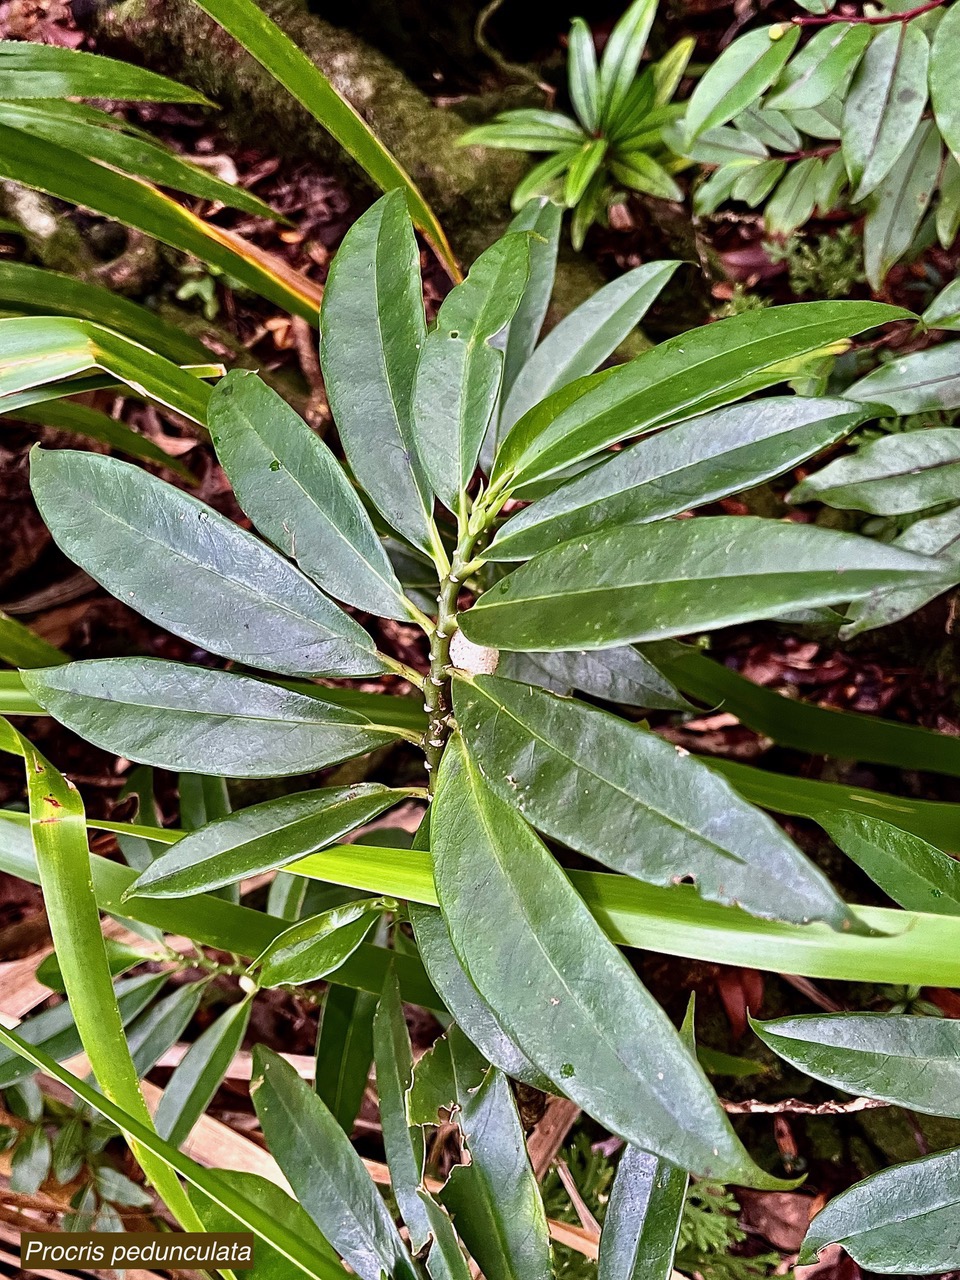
881, 21
437, 700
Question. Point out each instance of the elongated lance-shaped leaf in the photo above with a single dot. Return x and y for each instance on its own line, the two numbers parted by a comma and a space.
642, 1223
194, 719
297, 494
29, 70
914, 873
682, 377
445, 1260
372, 330
899, 203
543, 219
275, 51
80, 419
55, 1031
58, 171
344, 1052
884, 105
626, 798
623, 675
471, 1011
458, 377
160, 1027
581, 342
566, 995
944, 311
894, 474
198, 1075
910, 1061
37, 290
921, 381
900, 1220
43, 349
403, 1143
263, 837
58, 829
221, 1190
215, 922
943, 70
582, 80
686, 466
326, 1174
648, 582
494, 1200
315, 947
100, 136
621, 57
14, 699
189, 569
738, 78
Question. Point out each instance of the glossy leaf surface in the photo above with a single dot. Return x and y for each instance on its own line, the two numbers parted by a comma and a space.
263, 837
895, 474
198, 1075
575, 1007
738, 77
914, 873
642, 1222
648, 582
198, 720
189, 569
297, 494
628, 799
312, 948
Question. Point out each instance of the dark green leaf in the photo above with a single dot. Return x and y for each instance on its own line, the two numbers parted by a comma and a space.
621, 57
756, 182
458, 377
314, 947
445, 1261
581, 342
282, 1208
823, 67
900, 1220
899, 203
586, 778
623, 675
944, 58
560, 989
697, 462
909, 1061
29, 70
582, 75
120, 957
944, 311
403, 1144
543, 219
55, 1031
197, 1077
472, 1012
738, 77
292, 487
772, 128
935, 536
372, 332
922, 381
684, 376
494, 1200
157, 1028
191, 570
648, 582
795, 198
915, 874
884, 105
344, 1051
194, 719
642, 1222
264, 837
326, 1174
893, 475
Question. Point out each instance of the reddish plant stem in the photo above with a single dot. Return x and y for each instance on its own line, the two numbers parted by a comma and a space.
882, 21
